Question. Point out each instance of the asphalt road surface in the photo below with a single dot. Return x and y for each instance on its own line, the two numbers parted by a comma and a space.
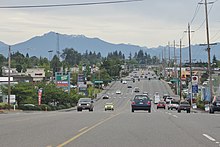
118, 128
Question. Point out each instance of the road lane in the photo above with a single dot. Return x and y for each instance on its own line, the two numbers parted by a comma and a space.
121, 127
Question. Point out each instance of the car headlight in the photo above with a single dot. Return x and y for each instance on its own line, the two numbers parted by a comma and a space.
79, 104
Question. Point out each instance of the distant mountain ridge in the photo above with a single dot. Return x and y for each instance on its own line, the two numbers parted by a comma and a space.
40, 45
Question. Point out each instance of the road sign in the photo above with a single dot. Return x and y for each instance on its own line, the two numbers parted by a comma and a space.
195, 79
195, 89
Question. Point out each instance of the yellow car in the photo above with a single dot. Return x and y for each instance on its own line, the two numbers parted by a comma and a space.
109, 106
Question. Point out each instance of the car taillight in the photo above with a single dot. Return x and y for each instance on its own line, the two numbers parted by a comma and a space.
133, 103
148, 102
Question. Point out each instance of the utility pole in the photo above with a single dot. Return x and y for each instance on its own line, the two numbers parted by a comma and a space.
174, 52
9, 77
208, 49
180, 76
190, 61
169, 59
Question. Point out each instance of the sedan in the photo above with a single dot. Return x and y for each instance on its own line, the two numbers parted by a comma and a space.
109, 106
105, 96
141, 102
118, 92
161, 104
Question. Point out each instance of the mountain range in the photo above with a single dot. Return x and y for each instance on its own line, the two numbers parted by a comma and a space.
40, 45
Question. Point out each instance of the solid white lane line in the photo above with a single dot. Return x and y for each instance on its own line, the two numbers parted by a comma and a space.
169, 113
209, 137
217, 142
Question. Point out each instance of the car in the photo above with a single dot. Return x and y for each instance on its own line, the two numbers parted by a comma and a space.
109, 106
214, 106
85, 104
129, 86
165, 96
136, 89
173, 105
168, 99
145, 93
161, 104
141, 102
124, 82
105, 96
118, 92
156, 98
184, 105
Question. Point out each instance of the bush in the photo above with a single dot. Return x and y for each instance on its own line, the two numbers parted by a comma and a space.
29, 107
61, 107
3, 106
45, 107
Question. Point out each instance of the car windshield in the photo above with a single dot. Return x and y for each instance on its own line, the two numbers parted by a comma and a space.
85, 100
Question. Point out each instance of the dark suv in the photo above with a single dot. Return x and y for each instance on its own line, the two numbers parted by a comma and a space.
215, 106
141, 102
85, 104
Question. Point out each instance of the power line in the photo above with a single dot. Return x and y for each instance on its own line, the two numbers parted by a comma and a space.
67, 5
195, 13
204, 19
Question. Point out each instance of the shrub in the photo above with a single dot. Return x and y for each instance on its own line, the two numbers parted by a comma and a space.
45, 107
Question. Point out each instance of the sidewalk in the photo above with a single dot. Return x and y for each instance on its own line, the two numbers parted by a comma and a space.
198, 111
9, 111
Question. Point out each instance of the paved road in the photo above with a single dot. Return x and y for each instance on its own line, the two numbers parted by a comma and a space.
119, 128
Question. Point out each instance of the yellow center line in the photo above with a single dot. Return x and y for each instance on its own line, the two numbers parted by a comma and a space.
82, 129
87, 130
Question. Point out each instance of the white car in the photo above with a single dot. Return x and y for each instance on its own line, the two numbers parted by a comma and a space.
169, 99
173, 105
118, 92
124, 82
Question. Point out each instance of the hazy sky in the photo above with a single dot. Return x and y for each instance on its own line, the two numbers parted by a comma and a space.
148, 23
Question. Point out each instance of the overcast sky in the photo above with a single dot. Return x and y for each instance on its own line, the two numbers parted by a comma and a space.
148, 23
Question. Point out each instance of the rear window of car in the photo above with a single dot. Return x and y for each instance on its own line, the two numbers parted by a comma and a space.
141, 97
161, 102
173, 102
184, 103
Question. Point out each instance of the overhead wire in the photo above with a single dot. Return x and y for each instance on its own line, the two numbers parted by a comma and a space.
67, 5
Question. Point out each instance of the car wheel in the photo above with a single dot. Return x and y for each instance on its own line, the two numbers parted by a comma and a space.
149, 110
211, 111
157, 107
188, 111
171, 108
105, 109
168, 108
112, 109
179, 111
164, 108
90, 109
132, 110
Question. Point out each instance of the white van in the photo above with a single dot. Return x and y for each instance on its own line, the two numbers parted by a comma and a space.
156, 98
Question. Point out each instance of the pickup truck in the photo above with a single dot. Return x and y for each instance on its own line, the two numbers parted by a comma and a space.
184, 105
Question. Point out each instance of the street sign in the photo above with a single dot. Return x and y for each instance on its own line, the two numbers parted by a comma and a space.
195, 89
195, 79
